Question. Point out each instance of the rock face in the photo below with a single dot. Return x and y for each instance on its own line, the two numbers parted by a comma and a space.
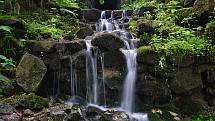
84, 32
108, 42
91, 15
184, 81
30, 72
202, 6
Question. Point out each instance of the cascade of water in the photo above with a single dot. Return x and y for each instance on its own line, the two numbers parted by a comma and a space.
129, 84
101, 56
91, 73
104, 24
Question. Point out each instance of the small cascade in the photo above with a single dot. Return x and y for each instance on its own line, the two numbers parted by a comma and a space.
91, 72
95, 80
96, 85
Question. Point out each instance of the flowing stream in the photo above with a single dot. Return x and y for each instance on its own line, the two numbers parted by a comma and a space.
94, 84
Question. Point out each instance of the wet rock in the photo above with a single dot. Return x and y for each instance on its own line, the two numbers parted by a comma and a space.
189, 105
76, 114
6, 108
182, 61
108, 42
184, 80
17, 26
6, 86
59, 116
91, 15
203, 6
112, 115
31, 101
84, 32
11, 117
145, 54
152, 91
202, 12
40, 46
28, 112
30, 72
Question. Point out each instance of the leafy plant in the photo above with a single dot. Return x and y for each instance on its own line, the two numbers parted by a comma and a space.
6, 63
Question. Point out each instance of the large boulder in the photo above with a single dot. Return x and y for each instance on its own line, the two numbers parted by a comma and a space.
146, 55
108, 42
91, 15
84, 32
185, 81
203, 6
30, 72
152, 91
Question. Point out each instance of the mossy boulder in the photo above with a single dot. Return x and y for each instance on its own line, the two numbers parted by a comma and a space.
6, 86
203, 6
108, 42
189, 105
30, 72
185, 81
84, 32
146, 54
31, 101
27, 101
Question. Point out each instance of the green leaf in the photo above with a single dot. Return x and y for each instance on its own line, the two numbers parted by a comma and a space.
5, 28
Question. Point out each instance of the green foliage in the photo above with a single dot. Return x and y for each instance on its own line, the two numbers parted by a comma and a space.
69, 3
28, 101
6, 29
101, 2
139, 3
6, 86
49, 26
6, 63
204, 116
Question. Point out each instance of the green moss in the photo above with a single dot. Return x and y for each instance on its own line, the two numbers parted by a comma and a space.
29, 101
6, 86
145, 49
204, 116
183, 13
4, 17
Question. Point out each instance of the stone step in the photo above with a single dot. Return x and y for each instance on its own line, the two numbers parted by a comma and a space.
93, 15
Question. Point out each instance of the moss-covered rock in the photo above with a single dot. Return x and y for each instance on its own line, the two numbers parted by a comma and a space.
108, 42
203, 6
146, 54
30, 72
28, 101
6, 86
189, 105
31, 101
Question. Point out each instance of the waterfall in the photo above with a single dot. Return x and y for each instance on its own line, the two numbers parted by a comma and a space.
96, 85
91, 72
95, 81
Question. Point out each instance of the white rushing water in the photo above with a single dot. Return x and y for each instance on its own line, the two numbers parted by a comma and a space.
91, 73
94, 86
